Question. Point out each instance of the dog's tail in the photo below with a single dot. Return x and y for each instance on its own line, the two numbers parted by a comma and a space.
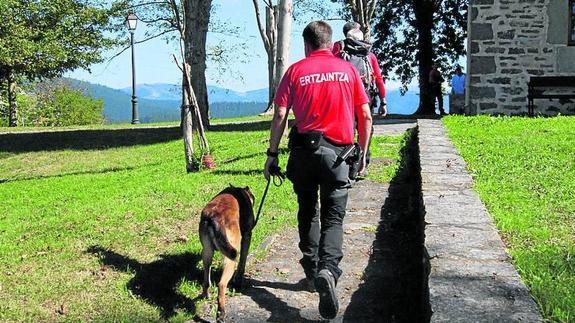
217, 236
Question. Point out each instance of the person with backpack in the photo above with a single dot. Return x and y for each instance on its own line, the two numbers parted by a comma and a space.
357, 51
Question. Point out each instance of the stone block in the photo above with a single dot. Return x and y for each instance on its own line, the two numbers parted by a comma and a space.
501, 80
482, 92
508, 34
481, 31
513, 90
488, 106
535, 71
511, 71
558, 17
518, 23
516, 51
474, 13
566, 59
498, 50
483, 64
474, 47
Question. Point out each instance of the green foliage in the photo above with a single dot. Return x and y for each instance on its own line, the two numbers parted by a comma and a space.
48, 37
55, 104
397, 36
138, 205
524, 172
45, 38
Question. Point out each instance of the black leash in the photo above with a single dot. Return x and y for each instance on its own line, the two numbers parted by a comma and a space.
276, 174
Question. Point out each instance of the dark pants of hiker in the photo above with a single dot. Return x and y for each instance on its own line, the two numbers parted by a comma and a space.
437, 94
310, 171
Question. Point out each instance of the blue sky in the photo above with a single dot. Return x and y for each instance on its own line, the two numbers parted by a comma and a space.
154, 62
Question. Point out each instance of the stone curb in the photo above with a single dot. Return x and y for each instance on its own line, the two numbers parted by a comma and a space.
472, 278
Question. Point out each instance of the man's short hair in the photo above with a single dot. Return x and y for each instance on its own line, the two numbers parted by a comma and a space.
349, 26
317, 34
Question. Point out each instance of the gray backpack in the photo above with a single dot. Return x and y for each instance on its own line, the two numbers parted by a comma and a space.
357, 53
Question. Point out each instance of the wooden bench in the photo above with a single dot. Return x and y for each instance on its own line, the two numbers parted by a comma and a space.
540, 87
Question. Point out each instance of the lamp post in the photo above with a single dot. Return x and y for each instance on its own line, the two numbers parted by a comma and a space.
131, 22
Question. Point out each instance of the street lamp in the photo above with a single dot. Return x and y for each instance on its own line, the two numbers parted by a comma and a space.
131, 22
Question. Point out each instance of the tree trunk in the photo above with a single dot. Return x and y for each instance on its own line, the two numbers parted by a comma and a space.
362, 12
197, 18
272, 34
192, 164
284, 35
12, 108
424, 20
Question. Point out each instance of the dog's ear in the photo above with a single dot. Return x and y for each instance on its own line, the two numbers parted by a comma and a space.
231, 185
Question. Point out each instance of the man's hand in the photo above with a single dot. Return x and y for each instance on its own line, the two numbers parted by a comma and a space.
271, 161
362, 166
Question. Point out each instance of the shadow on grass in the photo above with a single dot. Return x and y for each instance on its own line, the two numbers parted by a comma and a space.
252, 172
86, 139
259, 154
395, 286
92, 172
157, 282
242, 126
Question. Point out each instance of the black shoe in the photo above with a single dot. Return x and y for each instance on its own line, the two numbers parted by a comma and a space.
325, 285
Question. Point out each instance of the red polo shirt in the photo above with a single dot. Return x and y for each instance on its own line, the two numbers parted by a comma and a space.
324, 93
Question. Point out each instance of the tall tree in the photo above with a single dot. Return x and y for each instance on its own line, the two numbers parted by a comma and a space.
197, 19
414, 34
46, 38
360, 11
275, 34
186, 23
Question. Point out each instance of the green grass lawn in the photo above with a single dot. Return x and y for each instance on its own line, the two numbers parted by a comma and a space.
388, 151
524, 171
109, 233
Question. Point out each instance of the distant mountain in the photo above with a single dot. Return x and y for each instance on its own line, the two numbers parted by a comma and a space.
163, 91
118, 105
161, 102
166, 105
397, 104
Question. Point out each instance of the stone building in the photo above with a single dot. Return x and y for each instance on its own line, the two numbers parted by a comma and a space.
511, 40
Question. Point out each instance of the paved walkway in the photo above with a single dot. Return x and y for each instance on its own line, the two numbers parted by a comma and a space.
472, 278
385, 277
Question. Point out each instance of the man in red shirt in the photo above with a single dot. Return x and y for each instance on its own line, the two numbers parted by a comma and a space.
325, 94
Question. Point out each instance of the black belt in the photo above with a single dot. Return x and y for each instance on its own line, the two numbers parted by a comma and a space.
311, 140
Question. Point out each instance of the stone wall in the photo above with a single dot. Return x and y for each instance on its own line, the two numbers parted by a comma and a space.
509, 40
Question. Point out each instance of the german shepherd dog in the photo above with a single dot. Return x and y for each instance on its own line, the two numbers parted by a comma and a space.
226, 225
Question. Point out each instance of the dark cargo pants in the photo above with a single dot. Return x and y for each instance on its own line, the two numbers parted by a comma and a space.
320, 224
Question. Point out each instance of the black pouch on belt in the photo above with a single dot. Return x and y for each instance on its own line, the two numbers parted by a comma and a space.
353, 161
309, 140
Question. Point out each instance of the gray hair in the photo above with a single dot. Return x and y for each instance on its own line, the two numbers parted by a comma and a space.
355, 34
